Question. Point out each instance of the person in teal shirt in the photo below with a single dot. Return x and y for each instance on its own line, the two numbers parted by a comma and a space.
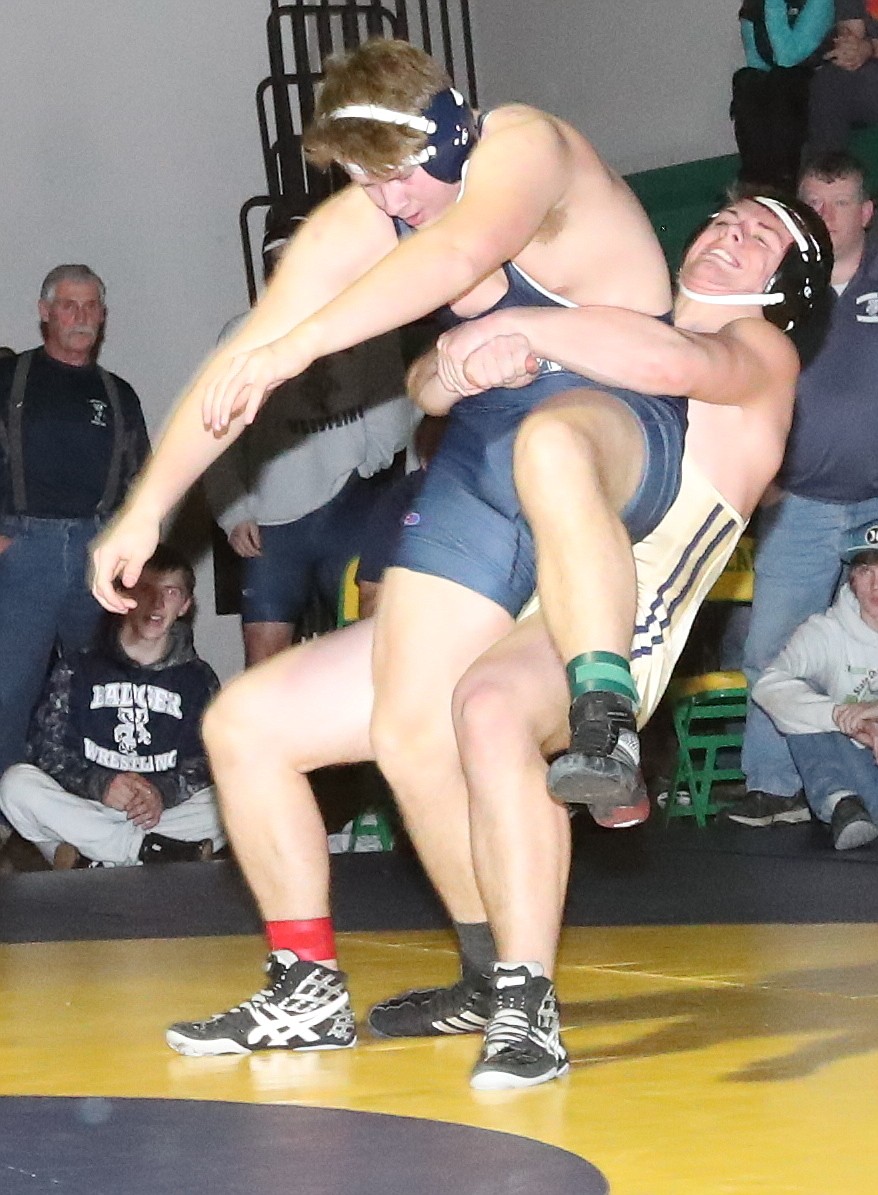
784, 41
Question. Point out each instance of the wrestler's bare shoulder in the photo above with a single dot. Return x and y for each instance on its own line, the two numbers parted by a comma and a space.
595, 243
530, 126
771, 346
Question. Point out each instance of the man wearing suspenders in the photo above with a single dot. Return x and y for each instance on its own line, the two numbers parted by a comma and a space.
72, 437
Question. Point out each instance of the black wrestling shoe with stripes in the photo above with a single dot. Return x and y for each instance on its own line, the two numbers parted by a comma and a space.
601, 769
305, 1007
522, 1042
435, 1012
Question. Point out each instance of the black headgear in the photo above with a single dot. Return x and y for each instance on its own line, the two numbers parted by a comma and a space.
800, 281
448, 122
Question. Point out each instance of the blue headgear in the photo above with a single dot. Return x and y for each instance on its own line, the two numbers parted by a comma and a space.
863, 538
448, 122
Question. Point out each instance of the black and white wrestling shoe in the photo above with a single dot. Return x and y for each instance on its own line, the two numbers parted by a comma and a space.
305, 1007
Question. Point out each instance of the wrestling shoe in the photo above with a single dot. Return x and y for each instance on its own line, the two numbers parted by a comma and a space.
305, 1007
601, 768
522, 1043
435, 1012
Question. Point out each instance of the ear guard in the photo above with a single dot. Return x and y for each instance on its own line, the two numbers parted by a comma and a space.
448, 122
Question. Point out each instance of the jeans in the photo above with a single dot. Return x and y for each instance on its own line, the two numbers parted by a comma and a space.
43, 597
797, 573
832, 763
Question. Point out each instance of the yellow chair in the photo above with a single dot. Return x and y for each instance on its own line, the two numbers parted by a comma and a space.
371, 822
348, 594
709, 711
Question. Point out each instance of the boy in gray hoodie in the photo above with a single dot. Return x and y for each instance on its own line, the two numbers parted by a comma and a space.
821, 691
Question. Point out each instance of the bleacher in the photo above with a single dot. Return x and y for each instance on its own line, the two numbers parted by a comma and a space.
678, 198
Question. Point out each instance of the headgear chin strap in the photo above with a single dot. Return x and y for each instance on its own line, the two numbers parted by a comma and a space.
804, 272
448, 122
760, 300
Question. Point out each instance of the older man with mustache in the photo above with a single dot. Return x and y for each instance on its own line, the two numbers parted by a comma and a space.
72, 437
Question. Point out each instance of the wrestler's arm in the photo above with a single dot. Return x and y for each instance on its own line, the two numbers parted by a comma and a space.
516, 177
624, 348
424, 387
339, 242
514, 364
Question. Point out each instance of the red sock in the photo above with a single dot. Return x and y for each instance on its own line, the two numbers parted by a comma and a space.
312, 940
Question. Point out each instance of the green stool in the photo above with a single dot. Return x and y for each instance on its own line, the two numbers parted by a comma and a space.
372, 823
709, 713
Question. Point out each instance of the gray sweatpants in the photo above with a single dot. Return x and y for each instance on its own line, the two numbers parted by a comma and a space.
46, 814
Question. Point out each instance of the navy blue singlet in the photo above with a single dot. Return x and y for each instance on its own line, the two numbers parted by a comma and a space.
467, 524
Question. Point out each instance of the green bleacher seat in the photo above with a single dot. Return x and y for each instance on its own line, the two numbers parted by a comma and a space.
678, 198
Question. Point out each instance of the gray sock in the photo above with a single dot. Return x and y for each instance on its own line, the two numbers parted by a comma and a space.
477, 950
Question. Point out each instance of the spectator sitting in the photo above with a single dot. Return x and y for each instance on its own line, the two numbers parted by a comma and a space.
293, 493
117, 772
72, 438
783, 42
844, 91
822, 693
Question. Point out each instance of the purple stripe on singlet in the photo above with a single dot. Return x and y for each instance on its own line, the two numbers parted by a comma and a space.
700, 549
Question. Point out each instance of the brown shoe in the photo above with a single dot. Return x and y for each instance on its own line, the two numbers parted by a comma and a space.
67, 857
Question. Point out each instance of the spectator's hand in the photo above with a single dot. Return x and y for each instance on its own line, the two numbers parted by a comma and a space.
146, 806
245, 539
121, 792
119, 554
5, 541
849, 51
504, 361
851, 719
867, 734
455, 347
240, 385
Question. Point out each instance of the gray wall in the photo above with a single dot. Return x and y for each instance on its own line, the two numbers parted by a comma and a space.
648, 82
129, 141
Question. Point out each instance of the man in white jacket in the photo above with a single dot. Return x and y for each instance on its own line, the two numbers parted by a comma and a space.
822, 693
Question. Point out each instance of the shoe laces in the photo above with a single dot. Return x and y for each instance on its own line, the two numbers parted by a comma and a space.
273, 993
508, 1029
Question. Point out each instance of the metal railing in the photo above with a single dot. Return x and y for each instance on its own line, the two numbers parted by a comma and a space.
301, 36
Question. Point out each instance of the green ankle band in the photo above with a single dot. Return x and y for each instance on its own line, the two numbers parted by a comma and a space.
601, 670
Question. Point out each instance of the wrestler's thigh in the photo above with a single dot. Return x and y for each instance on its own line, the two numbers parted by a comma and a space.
605, 428
524, 666
428, 631
313, 701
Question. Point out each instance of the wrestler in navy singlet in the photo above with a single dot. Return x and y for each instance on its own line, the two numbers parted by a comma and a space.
467, 524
